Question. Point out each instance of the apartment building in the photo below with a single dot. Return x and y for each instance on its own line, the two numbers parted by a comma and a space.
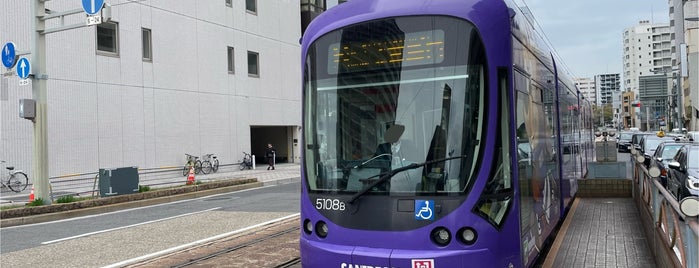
647, 51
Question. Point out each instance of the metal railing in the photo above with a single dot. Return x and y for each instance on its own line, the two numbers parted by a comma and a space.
85, 184
672, 235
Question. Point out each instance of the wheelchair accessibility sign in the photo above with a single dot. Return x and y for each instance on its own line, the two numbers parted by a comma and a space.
424, 210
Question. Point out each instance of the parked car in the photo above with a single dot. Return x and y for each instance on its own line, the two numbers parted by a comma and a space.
665, 152
692, 136
683, 175
636, 139
649, 144
623, 141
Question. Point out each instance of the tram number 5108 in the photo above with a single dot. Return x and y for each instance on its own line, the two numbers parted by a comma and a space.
330, 204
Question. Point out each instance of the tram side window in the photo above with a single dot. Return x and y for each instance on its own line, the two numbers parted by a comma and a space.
496, 199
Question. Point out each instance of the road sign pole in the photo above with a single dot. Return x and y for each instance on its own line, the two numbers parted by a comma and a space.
40, 159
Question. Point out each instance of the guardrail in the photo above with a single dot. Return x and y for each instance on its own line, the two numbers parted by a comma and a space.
672, 235
85, 184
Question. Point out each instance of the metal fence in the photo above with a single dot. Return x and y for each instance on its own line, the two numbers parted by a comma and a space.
672, 235
86, 184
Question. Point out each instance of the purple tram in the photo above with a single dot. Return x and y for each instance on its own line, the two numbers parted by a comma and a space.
435, 134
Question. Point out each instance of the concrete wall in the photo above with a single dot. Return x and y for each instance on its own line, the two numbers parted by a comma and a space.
112, 111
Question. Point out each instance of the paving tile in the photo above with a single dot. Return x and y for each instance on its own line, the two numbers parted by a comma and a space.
605, 232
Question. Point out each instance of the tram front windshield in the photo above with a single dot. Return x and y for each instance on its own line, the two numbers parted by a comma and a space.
402, 94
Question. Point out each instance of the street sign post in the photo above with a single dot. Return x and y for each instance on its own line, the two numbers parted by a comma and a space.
8, 55
92, 7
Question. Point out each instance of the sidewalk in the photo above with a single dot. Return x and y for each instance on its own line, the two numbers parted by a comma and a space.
283, 173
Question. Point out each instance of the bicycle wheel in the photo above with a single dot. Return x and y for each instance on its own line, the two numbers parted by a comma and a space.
242, 164
197, 167
215, 166
18, 182
206, 167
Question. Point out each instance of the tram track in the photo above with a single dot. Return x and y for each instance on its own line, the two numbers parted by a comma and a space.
273, 245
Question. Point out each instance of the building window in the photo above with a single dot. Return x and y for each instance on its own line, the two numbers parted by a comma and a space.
147, 40
108, 38
253, 64
229, 3
231, 60
313, 5
251, 6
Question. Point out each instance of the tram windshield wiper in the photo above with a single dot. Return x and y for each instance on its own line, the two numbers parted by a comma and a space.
389, 174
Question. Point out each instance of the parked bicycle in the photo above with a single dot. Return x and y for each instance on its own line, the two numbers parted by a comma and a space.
209, 163
17, 180
246, 162
192, 161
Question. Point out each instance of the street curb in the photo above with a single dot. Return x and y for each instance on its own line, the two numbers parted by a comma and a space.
124, 205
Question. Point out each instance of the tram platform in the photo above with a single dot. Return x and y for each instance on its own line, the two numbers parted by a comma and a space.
601, 232
623, 217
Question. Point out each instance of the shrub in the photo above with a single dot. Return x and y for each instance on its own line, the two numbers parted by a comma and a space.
66, 199
37, 202
143, 188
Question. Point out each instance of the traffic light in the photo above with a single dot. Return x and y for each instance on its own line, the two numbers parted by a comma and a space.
636, 104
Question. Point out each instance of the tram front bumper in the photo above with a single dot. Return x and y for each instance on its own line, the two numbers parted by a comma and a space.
318, 254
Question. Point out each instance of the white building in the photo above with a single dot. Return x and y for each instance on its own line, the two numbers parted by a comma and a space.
606, 85
162, 79
647, 51
586, 86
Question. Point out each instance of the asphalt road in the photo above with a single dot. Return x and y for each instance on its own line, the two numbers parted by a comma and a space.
106, 239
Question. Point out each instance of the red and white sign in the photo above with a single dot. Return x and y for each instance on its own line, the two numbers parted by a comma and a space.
423, 263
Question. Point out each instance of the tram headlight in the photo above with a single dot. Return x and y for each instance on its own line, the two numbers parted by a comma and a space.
308, 226
321, 229
441, 236
467, 235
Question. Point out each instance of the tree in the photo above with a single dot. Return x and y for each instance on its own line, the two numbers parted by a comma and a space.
606, 112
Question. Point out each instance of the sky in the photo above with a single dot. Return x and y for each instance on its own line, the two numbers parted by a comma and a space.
588, 34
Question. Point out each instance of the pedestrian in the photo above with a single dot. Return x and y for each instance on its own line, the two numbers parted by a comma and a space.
269, 154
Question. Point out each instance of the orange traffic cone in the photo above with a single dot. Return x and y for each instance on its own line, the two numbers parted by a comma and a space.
31, 195
190, 177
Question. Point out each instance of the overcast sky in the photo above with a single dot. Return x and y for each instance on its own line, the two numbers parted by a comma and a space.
588, 34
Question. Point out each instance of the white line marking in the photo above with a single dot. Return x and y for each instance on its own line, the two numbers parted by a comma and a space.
132, 209
199, 242
127, 226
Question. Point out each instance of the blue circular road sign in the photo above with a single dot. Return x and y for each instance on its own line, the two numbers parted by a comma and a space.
23, 68
8, 55
92, 7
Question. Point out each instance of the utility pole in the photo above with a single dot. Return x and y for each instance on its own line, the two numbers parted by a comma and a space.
683, 73
40, 159
647, 118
